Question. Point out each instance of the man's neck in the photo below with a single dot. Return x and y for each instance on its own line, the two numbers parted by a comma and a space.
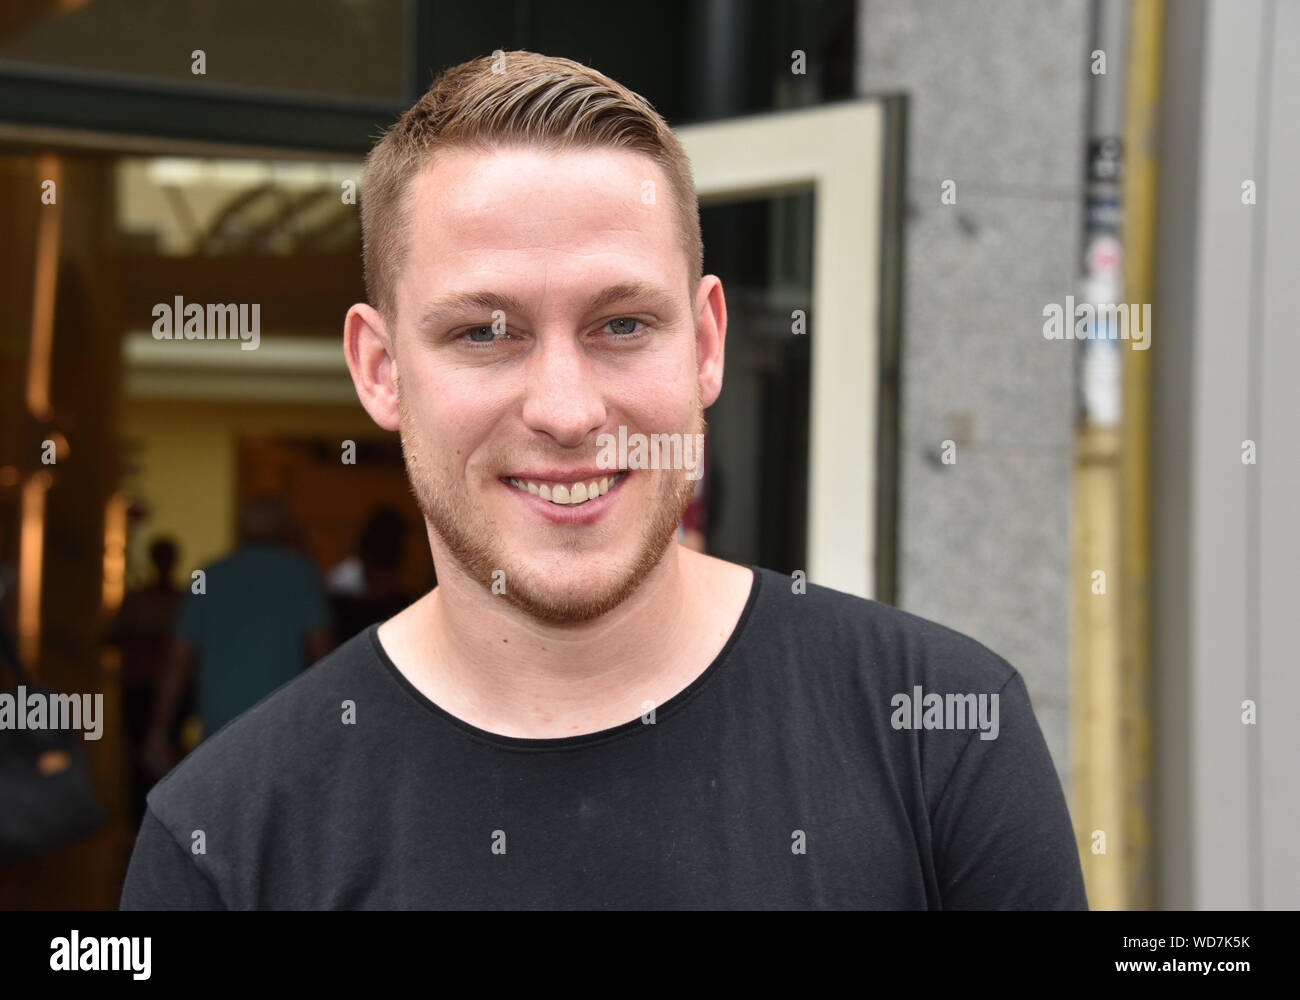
492, 666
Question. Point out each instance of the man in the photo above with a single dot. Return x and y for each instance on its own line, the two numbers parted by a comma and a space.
584, 713
259, 618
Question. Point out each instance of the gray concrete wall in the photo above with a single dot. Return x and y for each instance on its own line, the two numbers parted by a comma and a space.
998, 104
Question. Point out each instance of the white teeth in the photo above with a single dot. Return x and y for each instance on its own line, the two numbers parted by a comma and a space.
568, 495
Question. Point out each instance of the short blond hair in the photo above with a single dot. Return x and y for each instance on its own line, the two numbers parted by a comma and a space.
506, 99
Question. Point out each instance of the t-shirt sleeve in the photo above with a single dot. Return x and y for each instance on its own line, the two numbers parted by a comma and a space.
1001, 830
162, 876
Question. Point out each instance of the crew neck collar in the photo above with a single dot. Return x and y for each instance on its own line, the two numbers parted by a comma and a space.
621, 731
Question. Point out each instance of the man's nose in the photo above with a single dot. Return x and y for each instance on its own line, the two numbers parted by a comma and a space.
562, 397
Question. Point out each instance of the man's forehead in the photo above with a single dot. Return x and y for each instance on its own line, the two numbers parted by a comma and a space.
603, 210
518, 183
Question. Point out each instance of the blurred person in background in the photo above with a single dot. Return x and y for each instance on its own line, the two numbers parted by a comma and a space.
142, 630
370, 588
258, 619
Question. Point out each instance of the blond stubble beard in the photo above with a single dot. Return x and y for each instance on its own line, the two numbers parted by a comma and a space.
462, 526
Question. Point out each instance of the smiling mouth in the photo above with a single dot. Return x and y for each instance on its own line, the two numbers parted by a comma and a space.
571, 495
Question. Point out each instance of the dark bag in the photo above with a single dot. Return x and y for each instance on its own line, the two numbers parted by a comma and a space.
46, 797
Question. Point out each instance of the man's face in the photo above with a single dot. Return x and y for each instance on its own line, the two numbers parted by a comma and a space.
544, 302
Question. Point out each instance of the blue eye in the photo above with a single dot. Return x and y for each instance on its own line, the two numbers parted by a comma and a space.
480, 335
623, 326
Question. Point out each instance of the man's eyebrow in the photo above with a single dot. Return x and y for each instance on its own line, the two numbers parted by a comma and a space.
627, 291
468, 302
487, 302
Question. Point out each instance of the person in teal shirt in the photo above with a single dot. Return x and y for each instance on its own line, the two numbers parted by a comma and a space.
253, 622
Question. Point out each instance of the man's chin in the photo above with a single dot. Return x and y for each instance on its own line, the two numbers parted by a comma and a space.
581, 589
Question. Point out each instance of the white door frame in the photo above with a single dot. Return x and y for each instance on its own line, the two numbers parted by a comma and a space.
838, 151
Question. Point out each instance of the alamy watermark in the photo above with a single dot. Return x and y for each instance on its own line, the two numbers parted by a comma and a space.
1104, 321
50, 710
919, 710
654, 451
180, 320
75, 953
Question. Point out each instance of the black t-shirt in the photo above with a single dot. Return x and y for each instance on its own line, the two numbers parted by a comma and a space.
790, 774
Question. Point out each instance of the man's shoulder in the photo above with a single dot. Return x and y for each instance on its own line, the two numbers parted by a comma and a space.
295, 727
889, 641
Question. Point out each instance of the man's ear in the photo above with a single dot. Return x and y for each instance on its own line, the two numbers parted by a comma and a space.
367, 346
710, 336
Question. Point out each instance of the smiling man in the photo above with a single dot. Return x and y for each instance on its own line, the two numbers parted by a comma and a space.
584, 713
